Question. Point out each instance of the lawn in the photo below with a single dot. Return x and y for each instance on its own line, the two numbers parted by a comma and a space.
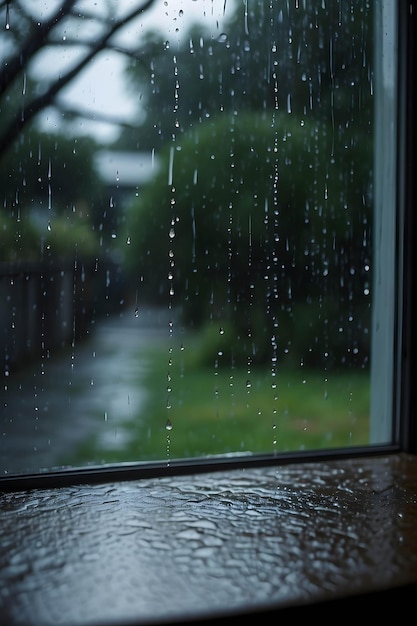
197, 411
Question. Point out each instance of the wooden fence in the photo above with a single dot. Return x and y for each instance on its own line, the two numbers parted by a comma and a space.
45, 307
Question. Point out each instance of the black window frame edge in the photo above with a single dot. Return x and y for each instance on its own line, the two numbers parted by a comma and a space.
405, 391
406, 404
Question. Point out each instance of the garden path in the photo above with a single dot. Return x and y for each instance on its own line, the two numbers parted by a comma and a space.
48, 408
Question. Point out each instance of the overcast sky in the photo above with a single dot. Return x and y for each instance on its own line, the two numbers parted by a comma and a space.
100, 88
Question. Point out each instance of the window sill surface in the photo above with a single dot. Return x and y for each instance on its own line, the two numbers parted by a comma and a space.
201, 546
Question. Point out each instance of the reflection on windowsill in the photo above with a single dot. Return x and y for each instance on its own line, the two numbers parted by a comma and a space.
190, 546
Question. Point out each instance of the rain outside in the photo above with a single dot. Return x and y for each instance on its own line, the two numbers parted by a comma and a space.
185, 268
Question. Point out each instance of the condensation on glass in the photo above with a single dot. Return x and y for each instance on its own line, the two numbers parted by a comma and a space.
196, 229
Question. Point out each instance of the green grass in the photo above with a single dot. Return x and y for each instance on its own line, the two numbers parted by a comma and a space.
220, 410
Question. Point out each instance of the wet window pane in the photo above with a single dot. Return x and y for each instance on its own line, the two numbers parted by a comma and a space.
194, 200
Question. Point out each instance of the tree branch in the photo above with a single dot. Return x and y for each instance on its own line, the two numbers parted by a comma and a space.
22, 118
136, 55
92, 115
34, 43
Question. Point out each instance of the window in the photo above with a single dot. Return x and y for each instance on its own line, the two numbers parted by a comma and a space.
235, 205
118, 547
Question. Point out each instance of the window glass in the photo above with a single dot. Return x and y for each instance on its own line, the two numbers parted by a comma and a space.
195, 205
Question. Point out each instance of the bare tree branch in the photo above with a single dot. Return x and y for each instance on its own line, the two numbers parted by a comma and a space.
135, 54
92, 115
34, 43
37, 42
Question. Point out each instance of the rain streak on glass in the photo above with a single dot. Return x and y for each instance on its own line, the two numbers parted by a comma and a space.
187, 224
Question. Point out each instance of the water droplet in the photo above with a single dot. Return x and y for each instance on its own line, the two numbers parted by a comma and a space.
221, 331
7, 25
168, 425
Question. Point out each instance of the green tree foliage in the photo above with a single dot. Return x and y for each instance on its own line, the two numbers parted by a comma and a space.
267, 132
311, 58
257, 233
42, 168
52, 198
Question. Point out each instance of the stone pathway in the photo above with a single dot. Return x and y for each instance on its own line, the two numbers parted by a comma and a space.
47, 409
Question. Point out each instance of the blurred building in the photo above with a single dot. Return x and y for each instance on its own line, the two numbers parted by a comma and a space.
124, 173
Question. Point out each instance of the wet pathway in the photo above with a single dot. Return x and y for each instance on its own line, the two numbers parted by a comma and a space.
49, 408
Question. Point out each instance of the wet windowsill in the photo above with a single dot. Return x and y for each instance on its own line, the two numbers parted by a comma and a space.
213, 544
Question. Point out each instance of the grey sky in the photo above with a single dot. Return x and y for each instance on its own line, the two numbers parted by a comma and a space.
101, 88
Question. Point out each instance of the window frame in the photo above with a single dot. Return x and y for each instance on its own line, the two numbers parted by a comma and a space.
405, 393
406, 400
